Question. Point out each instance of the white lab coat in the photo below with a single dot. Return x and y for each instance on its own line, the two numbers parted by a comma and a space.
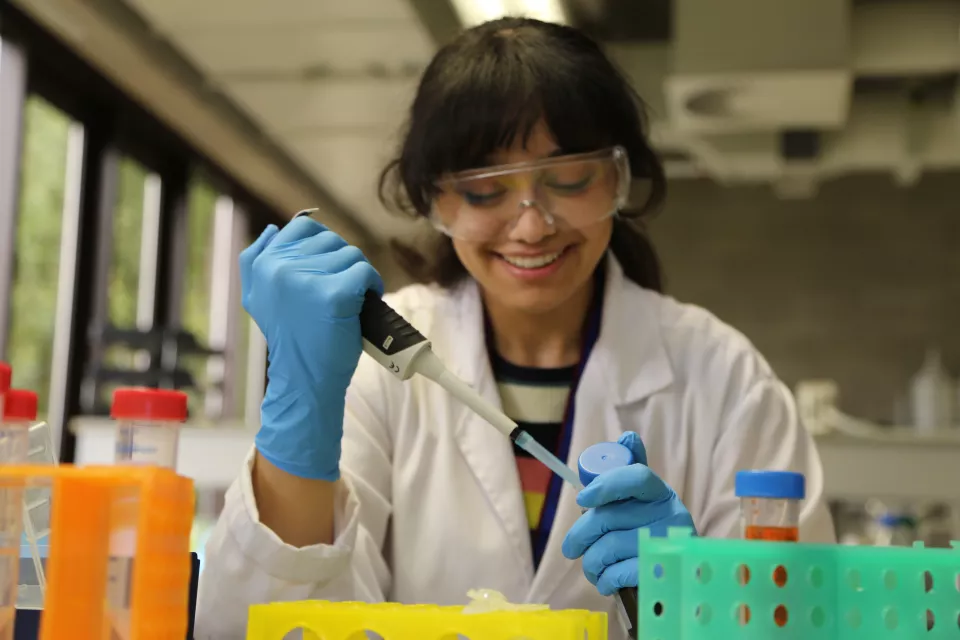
431, 503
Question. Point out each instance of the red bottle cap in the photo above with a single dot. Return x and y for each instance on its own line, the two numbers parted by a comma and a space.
149, 404
20, 404
5, 375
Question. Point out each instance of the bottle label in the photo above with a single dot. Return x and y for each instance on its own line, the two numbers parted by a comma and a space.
148, 445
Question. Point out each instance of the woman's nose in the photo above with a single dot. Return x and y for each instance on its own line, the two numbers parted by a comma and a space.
532, 224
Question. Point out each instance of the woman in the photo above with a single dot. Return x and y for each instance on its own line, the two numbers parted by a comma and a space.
522, 146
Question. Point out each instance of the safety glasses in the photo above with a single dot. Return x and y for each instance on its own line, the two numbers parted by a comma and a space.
572, 191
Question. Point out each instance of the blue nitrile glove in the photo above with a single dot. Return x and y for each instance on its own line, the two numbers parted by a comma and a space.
304, 287
620, 502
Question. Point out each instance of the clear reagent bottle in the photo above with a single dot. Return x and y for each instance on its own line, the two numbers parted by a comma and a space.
19, 414
148, 425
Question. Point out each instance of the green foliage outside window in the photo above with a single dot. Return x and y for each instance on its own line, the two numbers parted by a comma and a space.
195, 318
37, 247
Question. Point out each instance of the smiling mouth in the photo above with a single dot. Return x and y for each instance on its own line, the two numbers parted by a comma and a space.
533, 262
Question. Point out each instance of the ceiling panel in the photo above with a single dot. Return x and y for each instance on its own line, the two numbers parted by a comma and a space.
351, 166
325, 106
222, 13
352, 48
329, 81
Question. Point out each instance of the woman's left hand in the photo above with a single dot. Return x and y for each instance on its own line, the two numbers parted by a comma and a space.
620, 502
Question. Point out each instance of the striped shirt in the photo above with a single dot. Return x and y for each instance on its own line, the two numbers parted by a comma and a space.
536, 400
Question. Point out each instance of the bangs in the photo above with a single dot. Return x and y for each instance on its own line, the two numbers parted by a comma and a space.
491, 101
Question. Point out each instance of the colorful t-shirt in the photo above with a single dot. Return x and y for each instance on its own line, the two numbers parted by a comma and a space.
536, 400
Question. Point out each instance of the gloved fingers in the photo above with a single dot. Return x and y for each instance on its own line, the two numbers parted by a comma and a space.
618, 576
334, 262
248, 255
299, 228
632, 441
344, 292
636, 481
596, 523
610, 549
361, 277
323, 243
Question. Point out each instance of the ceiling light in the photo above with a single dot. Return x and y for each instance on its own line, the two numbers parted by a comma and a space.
473, 12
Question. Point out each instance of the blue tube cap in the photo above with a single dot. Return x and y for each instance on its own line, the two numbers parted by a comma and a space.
779, 485
601, 457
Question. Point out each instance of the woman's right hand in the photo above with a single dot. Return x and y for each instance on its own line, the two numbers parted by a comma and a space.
304, 286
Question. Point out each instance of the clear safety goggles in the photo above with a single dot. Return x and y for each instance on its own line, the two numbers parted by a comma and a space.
571, 191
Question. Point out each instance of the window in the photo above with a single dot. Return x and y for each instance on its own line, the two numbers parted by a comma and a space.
124, 278
37, 247
92, 190
198, 280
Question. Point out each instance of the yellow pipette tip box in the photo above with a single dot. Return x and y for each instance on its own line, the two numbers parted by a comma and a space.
322, 620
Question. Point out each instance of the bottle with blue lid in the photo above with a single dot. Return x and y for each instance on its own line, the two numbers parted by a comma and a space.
594, 460
770, 504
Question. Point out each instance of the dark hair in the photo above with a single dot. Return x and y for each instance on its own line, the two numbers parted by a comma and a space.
495, 82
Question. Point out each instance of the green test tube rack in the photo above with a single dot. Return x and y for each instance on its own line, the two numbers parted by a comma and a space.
693, 588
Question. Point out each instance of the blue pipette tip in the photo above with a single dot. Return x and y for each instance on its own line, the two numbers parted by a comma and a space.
526, 442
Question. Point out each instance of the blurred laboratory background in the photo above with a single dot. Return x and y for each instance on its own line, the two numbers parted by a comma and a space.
812, 149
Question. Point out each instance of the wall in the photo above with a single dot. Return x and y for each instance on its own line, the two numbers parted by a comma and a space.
853, 285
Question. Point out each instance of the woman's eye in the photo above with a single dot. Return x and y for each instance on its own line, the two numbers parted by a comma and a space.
480, 199
570, 187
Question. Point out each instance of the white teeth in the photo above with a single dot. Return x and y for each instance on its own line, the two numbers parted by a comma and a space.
533, 262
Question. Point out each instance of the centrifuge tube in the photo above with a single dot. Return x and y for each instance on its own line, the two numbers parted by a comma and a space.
769, 510
148, 425
19, 422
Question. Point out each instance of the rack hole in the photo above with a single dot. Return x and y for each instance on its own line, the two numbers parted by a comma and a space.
890, 618
366, 634
780, 575
817, 617
658, 609
300, 633
853, 618
780, 615
927, 582
743, 574
931, 620
658, 571
741, 613
704, 573
816, 577
890, 579
853, 579
703, 614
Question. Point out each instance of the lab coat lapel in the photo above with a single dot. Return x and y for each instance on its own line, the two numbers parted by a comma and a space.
629, 363
489, 454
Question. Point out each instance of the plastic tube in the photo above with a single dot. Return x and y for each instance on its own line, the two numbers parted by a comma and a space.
19, 416
148, 425
770, 511
770, 505
595, 460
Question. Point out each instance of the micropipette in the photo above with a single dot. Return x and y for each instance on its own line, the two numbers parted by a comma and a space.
404, 351
394, 343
